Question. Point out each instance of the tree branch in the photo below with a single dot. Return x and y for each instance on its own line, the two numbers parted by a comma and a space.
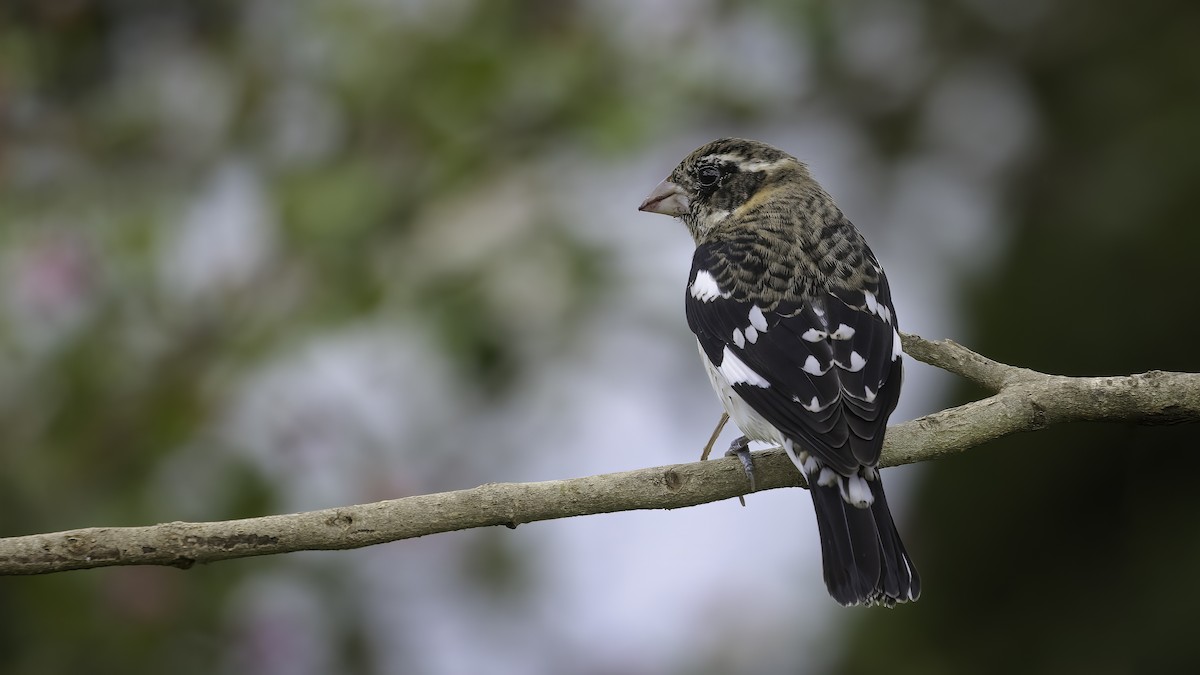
1025, 400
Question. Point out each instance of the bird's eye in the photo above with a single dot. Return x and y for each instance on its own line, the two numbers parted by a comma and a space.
708, 176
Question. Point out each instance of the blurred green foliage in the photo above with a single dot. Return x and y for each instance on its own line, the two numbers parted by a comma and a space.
354, 122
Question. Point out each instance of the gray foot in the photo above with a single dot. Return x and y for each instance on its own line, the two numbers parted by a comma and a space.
740, 447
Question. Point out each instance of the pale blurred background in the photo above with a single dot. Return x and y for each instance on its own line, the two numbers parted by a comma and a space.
264, 256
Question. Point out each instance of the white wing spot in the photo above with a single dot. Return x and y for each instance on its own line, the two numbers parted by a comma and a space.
705, 288
856, 362
751, 334
869, 396
737, 372
812, 366
738, 338
885, 313
897, 346
814, 406
814, 335
843, 332
872, 303
828, 478
757, 319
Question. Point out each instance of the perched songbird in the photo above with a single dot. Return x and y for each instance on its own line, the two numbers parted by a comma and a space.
796, 328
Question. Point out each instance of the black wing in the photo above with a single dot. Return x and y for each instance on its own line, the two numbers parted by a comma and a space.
831, 363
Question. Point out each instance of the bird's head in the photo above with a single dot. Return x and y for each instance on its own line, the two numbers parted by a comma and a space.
724, 177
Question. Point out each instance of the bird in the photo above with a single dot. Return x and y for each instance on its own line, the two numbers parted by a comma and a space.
794, 321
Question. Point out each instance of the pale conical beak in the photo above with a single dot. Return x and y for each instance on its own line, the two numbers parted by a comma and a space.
668, 199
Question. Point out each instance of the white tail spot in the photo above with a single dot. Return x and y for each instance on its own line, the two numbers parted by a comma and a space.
856, 492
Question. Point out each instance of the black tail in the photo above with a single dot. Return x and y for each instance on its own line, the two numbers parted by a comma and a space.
864, 559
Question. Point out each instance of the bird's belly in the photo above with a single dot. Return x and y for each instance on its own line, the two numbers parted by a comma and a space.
753, 425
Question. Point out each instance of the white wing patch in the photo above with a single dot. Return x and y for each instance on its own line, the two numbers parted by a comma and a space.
872, 303
813, 367
757, 319
877, 308
856, 362
812, 406
758, 324
750, 422
843, 332
897, 346
705, 288
736, 371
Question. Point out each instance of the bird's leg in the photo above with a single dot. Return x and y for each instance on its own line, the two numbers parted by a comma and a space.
713, 439
740, 447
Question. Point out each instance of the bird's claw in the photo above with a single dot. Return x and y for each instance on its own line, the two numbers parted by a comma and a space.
740, 448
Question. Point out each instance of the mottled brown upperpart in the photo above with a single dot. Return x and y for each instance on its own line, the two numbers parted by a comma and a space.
756, 198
